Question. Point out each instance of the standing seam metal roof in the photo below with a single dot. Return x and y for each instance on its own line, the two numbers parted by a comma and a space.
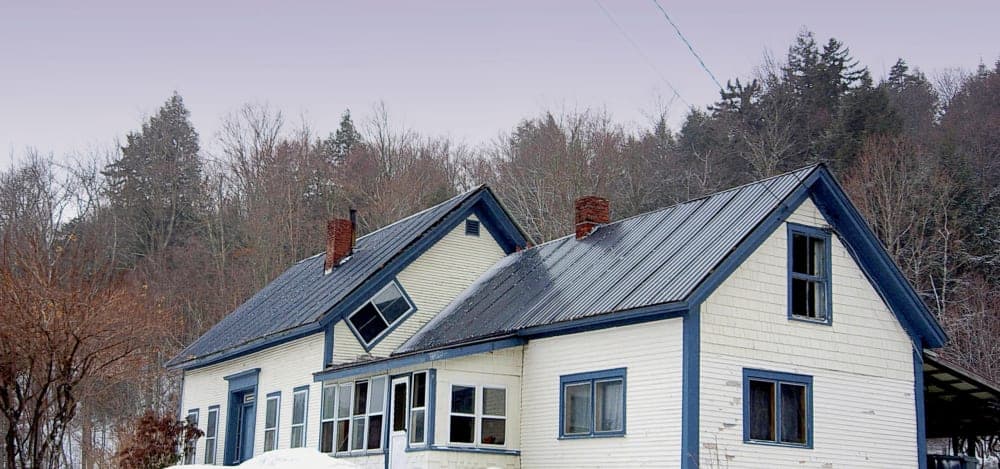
655, 258
303, 293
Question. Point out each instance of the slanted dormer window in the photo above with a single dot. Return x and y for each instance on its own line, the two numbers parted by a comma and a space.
809, 273
380, 314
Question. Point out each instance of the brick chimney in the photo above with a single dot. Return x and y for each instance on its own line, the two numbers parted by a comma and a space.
591, 211
339, 241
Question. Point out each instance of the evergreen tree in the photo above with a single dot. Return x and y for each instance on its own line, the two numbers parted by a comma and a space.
156, 186
339, 144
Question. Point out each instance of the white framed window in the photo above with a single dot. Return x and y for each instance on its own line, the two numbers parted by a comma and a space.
353, 416
380, 314
300, 408
327, 419
191, 445
211, 434
478, 415
271, 410
418, 409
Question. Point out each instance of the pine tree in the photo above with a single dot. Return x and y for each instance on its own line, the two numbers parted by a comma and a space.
156, 186
339, 144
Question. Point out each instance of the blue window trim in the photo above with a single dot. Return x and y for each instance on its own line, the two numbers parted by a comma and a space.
215, 439
592, 377
406, 296
777, 378
305, 415
826, 278
277, 417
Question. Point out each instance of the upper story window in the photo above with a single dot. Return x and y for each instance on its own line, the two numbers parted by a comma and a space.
777, 408
592, 404
380, 314
809, 282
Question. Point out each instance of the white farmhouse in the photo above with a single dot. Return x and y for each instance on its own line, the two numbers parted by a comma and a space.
763, 326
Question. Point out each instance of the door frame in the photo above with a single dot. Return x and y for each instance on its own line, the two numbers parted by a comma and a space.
241, 385
393, 381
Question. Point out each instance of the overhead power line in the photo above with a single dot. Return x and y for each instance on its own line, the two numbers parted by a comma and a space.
688, 43
639, 51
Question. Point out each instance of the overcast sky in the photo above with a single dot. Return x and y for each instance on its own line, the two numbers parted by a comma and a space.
77, 75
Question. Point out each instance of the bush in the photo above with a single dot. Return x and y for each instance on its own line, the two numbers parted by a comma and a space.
155, 441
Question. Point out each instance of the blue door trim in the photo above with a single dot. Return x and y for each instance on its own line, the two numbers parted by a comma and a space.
240, 384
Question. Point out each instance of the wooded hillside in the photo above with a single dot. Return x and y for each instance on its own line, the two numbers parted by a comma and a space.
172, 236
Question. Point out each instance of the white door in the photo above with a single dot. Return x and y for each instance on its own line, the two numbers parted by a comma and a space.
397, 432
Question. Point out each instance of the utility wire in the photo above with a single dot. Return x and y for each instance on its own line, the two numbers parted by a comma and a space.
638, 50
688, 43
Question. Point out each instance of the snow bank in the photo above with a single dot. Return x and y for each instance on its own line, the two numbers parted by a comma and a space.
298, 458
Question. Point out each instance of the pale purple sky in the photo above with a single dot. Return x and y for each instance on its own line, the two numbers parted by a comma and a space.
77, 75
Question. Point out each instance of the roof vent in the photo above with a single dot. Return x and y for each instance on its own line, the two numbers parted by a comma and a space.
339, 241
591, 211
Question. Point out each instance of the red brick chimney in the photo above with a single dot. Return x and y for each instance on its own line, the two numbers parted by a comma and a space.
591, 211
339, 241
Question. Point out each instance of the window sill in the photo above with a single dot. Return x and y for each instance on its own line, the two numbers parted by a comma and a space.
591, 436
358, 454
778, 444
822, 322
467, 449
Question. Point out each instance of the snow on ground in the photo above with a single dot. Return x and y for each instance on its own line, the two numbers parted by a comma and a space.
298, 458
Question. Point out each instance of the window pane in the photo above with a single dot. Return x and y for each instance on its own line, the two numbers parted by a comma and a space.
343, 431
463, 429
793, 413
576, 415
609, 406
360, 397
358, 433
298, 408
269, 440
800, 254
391, 303
419, 389
376, 400
463, 400
344, 400
326, 437
417, 426
297, 437
210, 451
213, 425
271, 415
399, 407
761, 410
494, 401
375, 432
493, 431
368, 323
801, 303
329, 401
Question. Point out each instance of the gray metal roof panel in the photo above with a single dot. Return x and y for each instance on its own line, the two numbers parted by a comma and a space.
654, 258
303, 293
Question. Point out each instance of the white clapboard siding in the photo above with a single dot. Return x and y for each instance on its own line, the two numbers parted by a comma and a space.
283, 368
432, 281
651, 352
862, 364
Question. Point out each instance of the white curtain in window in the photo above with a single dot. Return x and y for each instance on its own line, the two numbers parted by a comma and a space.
609, 406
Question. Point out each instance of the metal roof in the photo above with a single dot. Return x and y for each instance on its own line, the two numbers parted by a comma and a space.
655, 258
302, 294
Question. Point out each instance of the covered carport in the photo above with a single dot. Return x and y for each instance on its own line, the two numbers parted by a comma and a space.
962, 411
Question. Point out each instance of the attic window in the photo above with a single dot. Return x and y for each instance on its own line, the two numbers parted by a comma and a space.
472, 227
380, 314
808, 273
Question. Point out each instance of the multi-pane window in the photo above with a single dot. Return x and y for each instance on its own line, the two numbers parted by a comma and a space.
300, 402
211, 434
809, 273
378, 315
352, 416
478, 415
190, 445
592, 404
271, 408
418, 409
778, 408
